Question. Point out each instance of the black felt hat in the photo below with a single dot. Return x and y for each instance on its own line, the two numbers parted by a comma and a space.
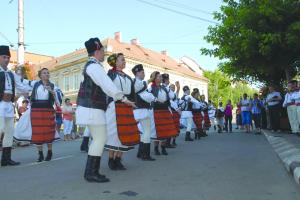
4, 50
92, 45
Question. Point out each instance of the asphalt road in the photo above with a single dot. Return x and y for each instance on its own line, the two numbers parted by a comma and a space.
236, 166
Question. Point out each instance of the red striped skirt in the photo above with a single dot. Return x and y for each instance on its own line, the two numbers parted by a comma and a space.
43, 125
164, 124
198, 118
176, 120
206, 120
128, 132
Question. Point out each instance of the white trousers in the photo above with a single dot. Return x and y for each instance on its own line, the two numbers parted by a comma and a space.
189, 124
86, 132
7, 128
293, 119
99, 136
146, 130
68, 126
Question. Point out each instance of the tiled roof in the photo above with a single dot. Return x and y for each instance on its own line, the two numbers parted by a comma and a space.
31, 58
131, 51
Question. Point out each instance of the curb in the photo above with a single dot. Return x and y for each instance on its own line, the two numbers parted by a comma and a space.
287, 152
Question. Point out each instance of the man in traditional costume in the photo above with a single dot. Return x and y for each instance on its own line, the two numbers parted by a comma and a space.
92, 104
142, 113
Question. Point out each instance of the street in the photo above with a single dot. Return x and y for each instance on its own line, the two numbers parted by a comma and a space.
235, 166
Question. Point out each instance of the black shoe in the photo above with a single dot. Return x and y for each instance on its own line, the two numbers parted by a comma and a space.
156, 151
215, 127
85, 144
140, 150
112, 164
49, 155
146, 153
41, 157
91, 173
6, 157
188, 136
119, 165
164, 151
196, 134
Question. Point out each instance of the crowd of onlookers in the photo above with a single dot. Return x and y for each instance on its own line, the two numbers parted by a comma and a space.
257, 112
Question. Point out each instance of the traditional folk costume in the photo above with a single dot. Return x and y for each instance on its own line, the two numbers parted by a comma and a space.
122, 130
290, 104
211, 114
142, 114
92, 104
162, 122
9, 81
37, 125
173, 107
197, 109
85, 140
186, 105
206, 119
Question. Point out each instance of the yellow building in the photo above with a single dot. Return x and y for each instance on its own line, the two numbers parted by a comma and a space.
66, 70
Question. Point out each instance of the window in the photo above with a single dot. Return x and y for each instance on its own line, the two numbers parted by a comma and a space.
76, 81
71, 85
67, 83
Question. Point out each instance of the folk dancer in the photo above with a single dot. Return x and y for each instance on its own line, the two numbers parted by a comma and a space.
122, 130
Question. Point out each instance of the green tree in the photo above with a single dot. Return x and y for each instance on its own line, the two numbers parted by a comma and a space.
258, 39
221, 88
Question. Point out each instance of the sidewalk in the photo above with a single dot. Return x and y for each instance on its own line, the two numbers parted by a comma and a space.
287, 147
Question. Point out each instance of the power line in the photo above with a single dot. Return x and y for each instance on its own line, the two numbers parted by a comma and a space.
178, 12
7, 40
184, 6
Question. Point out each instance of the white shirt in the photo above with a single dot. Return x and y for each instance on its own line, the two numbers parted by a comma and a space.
245, 105
290, 97
7, 108
297, 97
145, 95
91, 116
270, 96
123, 83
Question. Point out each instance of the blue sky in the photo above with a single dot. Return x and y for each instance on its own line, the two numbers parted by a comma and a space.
56, 27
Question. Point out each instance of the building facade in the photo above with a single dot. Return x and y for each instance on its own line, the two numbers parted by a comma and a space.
66, 71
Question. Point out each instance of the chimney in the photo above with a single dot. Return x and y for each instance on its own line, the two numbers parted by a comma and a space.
164, 52
118, 36
135, 41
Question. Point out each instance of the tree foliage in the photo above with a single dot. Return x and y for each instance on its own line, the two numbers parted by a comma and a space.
221, 88
258, 39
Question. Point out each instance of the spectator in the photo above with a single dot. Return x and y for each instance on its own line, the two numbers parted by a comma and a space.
220, 117
273, 100
257, 106
228, 116
238, 117
68, 119
246, 112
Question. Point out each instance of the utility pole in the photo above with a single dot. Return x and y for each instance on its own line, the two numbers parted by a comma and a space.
21, 48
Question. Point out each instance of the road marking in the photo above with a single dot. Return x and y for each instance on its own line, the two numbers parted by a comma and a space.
39, 163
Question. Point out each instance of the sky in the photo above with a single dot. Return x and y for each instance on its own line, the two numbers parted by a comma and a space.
57, 27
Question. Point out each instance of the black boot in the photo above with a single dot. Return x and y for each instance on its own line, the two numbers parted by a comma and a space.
156, 151
112, 164
85, 144
199, 134
196, 134
146, 152
49, 155
163, 151
41, 156
119, 165
6, 157
91, 173
188, 136
174, 142
140, 150
168, 144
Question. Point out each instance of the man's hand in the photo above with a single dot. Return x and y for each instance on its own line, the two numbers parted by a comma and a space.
130, 103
